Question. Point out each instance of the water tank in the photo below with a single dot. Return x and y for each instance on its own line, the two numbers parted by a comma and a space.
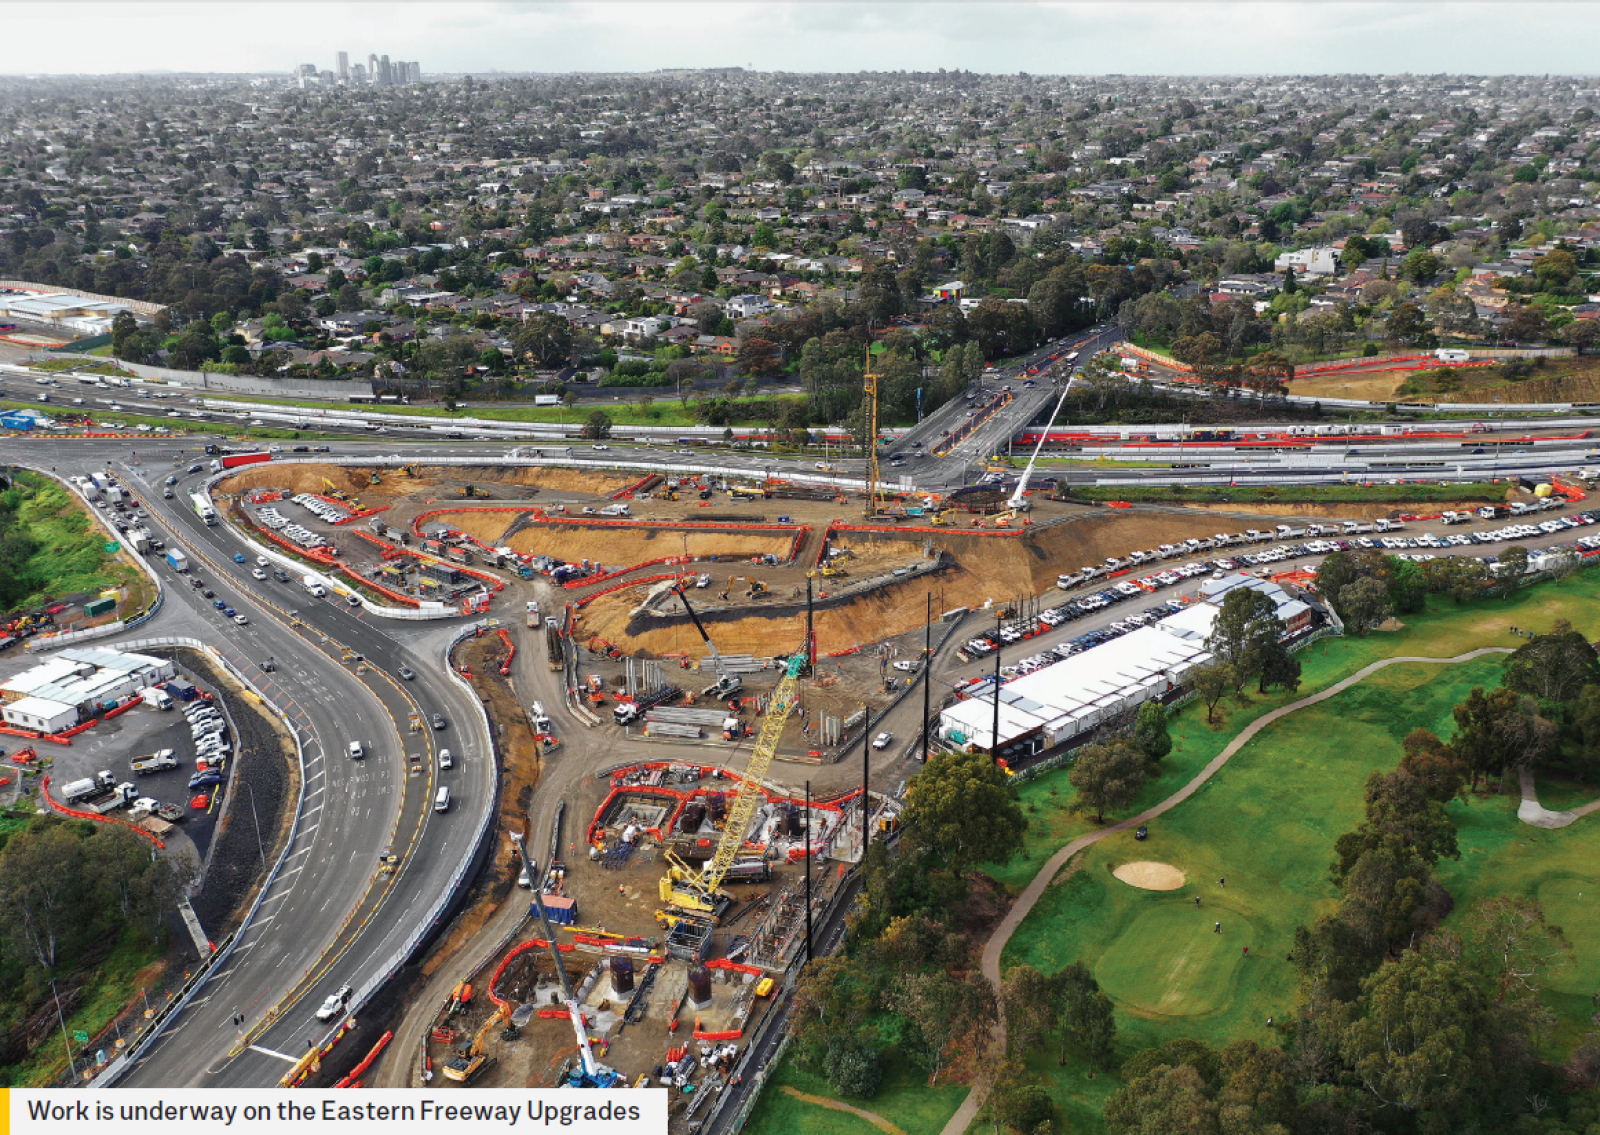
699, 987
621, 976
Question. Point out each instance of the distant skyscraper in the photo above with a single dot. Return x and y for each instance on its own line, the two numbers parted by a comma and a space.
344, 66
372, 69
385, 72
416, 71
358, 74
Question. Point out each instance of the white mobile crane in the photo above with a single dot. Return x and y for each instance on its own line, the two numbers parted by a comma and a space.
1017, 503
727, 684
590, 1073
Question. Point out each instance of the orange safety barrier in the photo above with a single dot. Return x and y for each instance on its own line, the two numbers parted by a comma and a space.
701, 1034
351, 1081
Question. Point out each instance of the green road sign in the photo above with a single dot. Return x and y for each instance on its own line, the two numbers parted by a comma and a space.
80, 1037
113, 547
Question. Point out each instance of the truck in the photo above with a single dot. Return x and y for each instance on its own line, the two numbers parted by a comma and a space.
155, 697
155, 762
313, 584
540, 719
547, 399
532, 619
140, 539
618, 509
234, 460
203, 508
177, 560
626, 713
90, 786
114, 495
122, 794
552, 643
458, 555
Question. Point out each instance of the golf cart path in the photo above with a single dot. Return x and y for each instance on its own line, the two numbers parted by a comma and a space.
1530, 811
871, 1117
995, 946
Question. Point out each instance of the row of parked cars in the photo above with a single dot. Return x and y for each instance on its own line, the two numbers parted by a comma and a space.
288, 529
320, 508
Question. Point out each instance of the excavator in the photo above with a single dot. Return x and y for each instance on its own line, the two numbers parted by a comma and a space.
757, 587
726, 684
590, 1073
334, 491
471, 1062
698, 893
470, 491
410, 470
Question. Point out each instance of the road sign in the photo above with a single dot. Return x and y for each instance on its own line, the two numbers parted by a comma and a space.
113, 548
80, 1037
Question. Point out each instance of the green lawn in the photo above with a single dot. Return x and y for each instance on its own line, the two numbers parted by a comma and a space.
71, 556
904, 1099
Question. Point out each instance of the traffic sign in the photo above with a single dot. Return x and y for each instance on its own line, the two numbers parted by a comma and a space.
79, 1037
113, 547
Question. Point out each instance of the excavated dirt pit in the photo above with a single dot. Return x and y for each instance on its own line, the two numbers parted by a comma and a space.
432, 481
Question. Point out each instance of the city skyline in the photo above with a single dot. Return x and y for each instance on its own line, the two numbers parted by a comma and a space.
1139, 38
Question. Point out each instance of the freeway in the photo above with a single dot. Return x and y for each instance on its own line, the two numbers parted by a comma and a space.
331, 917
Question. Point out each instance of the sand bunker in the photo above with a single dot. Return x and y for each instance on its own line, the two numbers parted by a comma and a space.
1149, 876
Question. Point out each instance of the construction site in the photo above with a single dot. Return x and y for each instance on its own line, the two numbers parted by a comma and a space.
728, 645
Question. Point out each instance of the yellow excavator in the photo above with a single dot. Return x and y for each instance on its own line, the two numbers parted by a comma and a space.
698, 893
470, 1062
334, 491
410, 470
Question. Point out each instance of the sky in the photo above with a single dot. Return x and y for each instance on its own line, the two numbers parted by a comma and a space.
482, 36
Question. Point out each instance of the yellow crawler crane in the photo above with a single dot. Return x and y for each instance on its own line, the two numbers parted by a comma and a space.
692, 892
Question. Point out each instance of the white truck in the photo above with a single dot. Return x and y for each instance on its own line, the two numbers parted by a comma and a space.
156, 762
88, 787
314, 584
155, 697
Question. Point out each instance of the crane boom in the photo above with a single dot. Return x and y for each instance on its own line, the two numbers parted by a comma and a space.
716, 659
574, 1010
703, 890
1016, 500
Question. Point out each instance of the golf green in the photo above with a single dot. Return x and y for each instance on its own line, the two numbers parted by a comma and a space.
1170, 961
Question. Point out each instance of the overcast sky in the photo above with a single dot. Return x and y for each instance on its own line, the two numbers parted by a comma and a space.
1131, 38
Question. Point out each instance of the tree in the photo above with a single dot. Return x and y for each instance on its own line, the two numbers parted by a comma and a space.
1150, 731
1030, 1004
1402, 818
760, 358
1553, 666
831, 999
1212, 682
545, 337
1423, 1038
1433, 764
1525, 323
45, 888
852, 1068
1364, 604
1279, 667
1163, 1101
597, 426
1511, 566
1408, 589
1107, 776
1421, 265
964, 808
1407, 324
1477, 741
942, 1008
1509, 938
1246, 626
1087, 1016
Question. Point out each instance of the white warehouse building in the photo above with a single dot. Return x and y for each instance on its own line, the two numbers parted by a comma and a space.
75, 685
1056, 703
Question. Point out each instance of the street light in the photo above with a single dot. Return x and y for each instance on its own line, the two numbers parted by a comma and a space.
259, 846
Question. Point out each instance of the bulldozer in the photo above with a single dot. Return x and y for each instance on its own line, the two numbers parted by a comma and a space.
470, 491
373, 478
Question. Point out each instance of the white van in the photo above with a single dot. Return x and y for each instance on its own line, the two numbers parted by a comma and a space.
441, 802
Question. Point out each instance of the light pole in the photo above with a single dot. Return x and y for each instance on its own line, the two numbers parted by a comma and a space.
259, 846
